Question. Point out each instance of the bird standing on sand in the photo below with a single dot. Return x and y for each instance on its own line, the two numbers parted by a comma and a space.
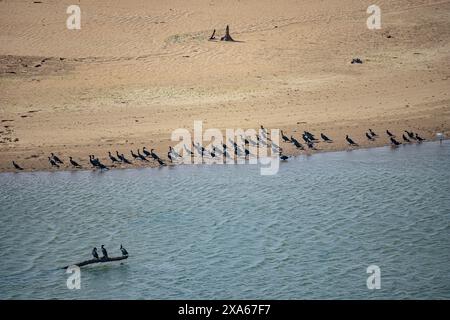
124, 160
283, 157
154, 155
104, 252
405, 138
373, 134
17, 166
390, 134
169, 155
142, 157
53, 163
410, 135
325, 138
296, 143
395, 142
419, 138
134, 155
94, 253
161, 163
113, 159
369, 137
56, 159
74, 163
285, 139
350, 141
124, 251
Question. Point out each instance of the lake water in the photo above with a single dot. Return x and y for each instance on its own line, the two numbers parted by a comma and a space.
226, 232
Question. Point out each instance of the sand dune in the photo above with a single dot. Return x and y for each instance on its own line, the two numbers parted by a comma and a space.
139, 69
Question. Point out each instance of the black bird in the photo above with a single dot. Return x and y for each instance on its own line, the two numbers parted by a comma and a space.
53, 163
94, 253
419, 138
119, 156
410, 135
113, 159
105, 253
95, 162
283, 157
325, 138
369, 137
405, 138
305, 138
373, 133
296, 143
310, 136
101, 165
134, 155
17, 166
389, 133
395, 142
213, 152
141, 156
311, 145
161, 163
125, 160
169, 155
144, 151
350, 141
285, 139
154, 155
74, 163
56, 159
124, 251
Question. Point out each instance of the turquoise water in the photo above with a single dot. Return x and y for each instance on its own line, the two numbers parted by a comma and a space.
226, 232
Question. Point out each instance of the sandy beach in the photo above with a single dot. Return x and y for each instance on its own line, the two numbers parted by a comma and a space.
137, 70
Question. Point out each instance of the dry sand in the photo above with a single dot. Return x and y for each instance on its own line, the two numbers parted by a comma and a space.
139, 69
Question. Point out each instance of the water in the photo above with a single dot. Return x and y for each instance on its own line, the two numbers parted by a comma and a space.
226, 232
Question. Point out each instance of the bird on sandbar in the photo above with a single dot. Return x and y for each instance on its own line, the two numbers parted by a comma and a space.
74, 163
394, 142
17, 166
141, 156
296, 143
420, 139
350, 141
325, 138
56, 159
53, 163
134, 155
285, 139
390, 134
113, 159
369, 137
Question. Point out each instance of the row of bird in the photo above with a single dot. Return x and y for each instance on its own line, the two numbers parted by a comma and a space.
105, 253
262, 139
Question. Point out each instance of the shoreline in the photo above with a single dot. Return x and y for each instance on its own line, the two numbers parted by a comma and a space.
153, 165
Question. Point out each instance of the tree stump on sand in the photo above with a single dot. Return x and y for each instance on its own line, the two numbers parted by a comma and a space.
101, 260
213, 35
227, 36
